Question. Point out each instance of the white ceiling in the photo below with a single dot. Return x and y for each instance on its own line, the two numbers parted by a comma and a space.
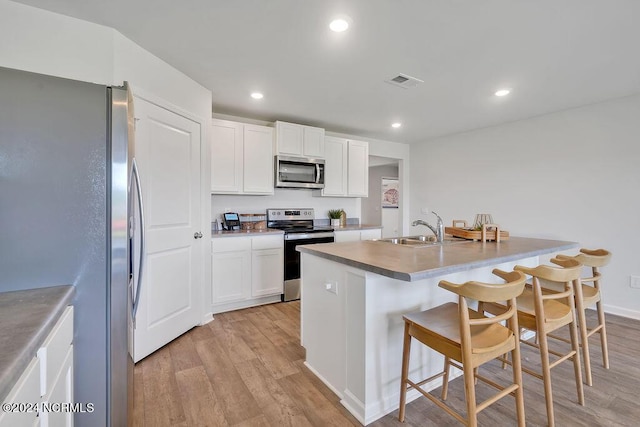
555, 54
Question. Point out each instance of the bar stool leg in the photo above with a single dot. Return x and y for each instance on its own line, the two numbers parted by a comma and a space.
576, 360
406, 352
445, 378
470, 394
582, 325
603, 335
546, 376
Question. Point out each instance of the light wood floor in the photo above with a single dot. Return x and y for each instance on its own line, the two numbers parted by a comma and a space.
245, 368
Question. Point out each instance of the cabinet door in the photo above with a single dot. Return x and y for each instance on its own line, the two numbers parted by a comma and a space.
226, 156
258, 160
313, 142
26, 390
335, 167
267, 275
61, 391
347, 236
230, 276
375, 233
358, 169
289, 138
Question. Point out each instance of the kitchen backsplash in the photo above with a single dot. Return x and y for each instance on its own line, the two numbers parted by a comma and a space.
283, 198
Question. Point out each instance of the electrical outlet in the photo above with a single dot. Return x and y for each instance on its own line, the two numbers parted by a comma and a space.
424, 211
634, 282
331, 287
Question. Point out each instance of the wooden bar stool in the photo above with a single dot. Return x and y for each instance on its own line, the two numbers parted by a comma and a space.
470, 339
585, 296
544, 312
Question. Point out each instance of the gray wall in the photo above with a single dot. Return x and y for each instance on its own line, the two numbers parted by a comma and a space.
371, 211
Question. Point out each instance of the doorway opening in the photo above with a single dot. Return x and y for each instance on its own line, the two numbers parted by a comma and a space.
383, 206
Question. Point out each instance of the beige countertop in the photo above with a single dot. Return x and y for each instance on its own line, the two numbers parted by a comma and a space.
26, 318
244, 233
357, 227
416, 263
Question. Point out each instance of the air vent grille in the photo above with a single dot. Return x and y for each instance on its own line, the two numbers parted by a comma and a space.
404, 81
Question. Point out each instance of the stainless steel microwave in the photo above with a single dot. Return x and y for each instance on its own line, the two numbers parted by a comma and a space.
299, 172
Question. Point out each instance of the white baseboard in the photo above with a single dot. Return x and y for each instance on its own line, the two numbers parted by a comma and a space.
621, 311
321, 378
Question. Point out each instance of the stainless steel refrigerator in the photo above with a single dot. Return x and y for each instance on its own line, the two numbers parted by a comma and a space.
67, 207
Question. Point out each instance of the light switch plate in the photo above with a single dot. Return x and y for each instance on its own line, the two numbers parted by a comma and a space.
634, 282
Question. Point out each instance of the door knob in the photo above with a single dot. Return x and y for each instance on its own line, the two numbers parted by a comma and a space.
197, 235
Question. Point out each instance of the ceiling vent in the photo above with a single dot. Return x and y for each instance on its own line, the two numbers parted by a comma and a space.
404, 81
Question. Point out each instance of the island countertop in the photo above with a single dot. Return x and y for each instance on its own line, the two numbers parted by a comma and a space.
417, 263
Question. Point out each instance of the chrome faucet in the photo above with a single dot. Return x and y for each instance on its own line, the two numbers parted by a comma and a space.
438, 230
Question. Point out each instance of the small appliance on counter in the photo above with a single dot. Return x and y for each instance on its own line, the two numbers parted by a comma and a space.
230, 221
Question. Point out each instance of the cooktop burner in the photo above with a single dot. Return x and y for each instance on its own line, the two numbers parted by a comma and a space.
294, 221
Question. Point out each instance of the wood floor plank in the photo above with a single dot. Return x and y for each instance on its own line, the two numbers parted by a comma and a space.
252, 374
237, 401
319, 410
230, 339
161, 408
272, 357
276, 404
138, 397
183, 353
200, 404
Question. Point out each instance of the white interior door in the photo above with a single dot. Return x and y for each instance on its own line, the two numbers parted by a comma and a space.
168, 156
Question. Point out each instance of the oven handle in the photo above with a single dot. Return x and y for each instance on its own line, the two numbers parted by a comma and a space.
300, 236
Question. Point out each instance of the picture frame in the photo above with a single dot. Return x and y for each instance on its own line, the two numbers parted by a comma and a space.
390, 193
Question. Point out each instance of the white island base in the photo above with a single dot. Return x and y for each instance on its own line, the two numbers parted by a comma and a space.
352, 330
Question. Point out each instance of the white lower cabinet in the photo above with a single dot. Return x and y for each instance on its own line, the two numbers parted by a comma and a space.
246, 271
47, 382
373, 233
230, 269
26, 391
356, 235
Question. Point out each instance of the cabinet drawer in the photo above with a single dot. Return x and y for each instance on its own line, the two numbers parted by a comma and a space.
54, 350
267, 242
230, 244
26, 390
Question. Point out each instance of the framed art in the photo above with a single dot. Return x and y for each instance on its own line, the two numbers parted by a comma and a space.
390, 193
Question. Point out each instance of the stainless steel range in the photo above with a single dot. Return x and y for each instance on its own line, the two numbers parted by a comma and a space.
298, 228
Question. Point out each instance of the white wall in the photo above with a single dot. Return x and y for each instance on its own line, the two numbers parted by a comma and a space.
572, 175
43, 42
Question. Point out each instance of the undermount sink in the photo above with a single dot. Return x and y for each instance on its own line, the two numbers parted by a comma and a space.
420, 241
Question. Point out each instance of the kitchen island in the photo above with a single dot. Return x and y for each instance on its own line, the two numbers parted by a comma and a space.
355, 293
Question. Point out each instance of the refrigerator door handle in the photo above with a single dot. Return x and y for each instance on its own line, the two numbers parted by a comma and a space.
136, 178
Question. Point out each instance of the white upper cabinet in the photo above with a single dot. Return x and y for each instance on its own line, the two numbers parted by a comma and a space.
299, 140
335, 166
226, 157
258, 160
346, 172
241, 158
358, 169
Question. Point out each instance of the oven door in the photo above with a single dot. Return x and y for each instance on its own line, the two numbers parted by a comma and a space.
292, 260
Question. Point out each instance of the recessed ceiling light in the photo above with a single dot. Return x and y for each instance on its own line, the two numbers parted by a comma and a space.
257, 95
503, 92
339, 25
396, 125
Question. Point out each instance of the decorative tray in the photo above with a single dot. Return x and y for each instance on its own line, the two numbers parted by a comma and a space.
488, 232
